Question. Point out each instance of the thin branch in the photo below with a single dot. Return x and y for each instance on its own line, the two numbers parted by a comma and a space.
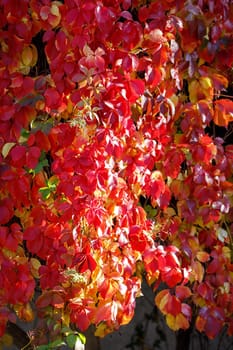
20, 338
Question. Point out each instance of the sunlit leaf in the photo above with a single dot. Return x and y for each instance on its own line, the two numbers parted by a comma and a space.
6, 148
223, 112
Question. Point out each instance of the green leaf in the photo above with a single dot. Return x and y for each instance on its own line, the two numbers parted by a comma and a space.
52, 182
41, 165
66, 330
82, 338
44, 125
24, 135
45, 192
71, 340
42, 347
30, 100
52, 345
51, 187
151, 212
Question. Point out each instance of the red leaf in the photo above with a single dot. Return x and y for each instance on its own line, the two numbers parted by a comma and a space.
183, 292
172, 276
81, 314
6, 210
6, 112
33, 157
152, 76
105, 18
52, 98
172, 164
136, 89
57, 301
84, 262
44, 300
173, 305
137, 238
18, 156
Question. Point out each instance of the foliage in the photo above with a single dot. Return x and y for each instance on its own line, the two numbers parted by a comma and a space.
111, 168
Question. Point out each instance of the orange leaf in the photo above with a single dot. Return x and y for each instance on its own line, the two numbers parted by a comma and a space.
223, 112
161, 300
203, 256
200, 323
197, 271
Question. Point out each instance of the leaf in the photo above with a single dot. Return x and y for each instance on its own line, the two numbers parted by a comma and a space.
201, 89
27, 56
6, 148
161, 300
44, 126
102, 330
177, 322
172, 276
57, 301
50, 188
203, 256
42, 163
44, 12
45, 192
30, 100
183, 292
18, 154
173, 305
137, 238
82, 338
71, 340
44, 300
197, 271
35, 265
52, 345
52, 98
223, 112
6, 112
6, 340
137, 88
222, 234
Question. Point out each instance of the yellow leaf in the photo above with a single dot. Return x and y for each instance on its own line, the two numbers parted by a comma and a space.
54, 10
171, 322
6, 148
6, 340
102, 329
177, 322
34, 55
35, 265
27, 56
24, 312
66, 319
201, 89
205, 82
126, 318
197, 271
161, 300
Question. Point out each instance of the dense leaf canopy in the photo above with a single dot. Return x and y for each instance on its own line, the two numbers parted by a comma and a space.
116, 163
